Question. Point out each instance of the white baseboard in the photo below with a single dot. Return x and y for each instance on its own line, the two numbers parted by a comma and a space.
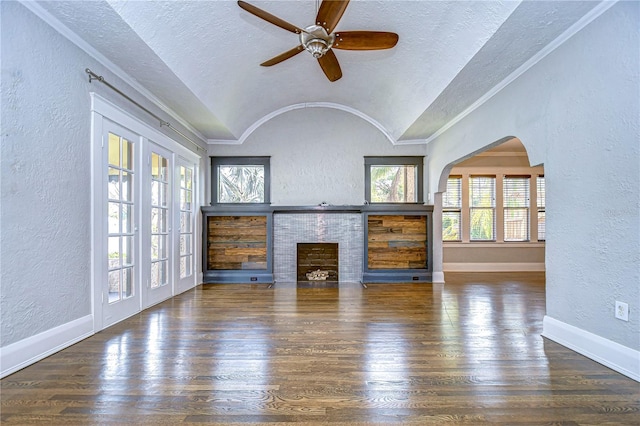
620, 358
27, 351
437, 277
494, 267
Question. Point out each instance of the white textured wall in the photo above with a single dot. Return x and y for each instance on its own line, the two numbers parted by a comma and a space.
577, 111
317, 155
45, 205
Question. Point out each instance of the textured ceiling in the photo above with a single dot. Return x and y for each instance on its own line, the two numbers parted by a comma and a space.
201, 58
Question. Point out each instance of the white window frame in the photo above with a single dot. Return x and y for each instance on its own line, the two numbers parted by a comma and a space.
492, 208
524, 206
452, 203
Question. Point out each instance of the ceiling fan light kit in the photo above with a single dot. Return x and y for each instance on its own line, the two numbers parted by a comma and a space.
316, 40
319, 39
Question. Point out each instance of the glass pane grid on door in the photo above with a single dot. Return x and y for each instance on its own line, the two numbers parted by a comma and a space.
159, 220
120, 214
186, 222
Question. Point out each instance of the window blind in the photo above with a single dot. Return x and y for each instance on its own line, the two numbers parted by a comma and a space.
541, 203
482, 201
516, 208
451, 209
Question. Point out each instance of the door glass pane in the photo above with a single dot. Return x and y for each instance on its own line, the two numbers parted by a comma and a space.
164, 165
155, 220
113, 185
126, 219
160, 216
185, 223
155, 275
155, 247
114, 252
183, 266
127, 251
162, 246
114, 286
127, 154
114, 218
186, 220
114, 150
127, 283
155, 193
120, 218
163, 188
127, 188
189, 180
164, 266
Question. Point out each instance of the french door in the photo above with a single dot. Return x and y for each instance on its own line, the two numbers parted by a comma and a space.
120, 296
157, 221
185, 224
143, 233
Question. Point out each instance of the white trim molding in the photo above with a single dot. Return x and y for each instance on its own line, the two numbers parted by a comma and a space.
494, 267
557, 42
437, 277
620, 358
74, 38
25, 352
288, 108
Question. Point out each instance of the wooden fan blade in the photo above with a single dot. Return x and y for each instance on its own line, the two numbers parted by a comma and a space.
269, 17
365, 40
330, 12
283, 56
329, 64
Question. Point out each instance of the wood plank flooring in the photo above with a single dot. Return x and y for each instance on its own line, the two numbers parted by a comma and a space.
468, 352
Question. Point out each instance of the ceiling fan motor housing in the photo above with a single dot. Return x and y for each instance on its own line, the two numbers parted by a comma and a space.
316, 41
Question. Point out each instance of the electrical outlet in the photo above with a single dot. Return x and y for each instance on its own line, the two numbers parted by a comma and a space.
622, 311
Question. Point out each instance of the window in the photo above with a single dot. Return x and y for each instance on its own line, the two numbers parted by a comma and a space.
393, 179
515, 195
482, 202
240, 180
541, 195
451, 209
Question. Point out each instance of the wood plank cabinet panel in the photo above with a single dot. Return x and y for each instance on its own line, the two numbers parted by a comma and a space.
397, 241
237, 242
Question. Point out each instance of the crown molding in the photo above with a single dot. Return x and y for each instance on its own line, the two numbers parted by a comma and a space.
557, 42
74, 38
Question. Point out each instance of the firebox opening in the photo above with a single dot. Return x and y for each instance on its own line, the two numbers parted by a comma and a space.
317, 262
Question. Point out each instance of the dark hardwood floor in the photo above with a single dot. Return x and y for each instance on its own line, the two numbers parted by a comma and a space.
468, 352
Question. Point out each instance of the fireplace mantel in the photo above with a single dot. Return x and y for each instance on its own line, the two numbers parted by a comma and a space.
269, 257
329, 208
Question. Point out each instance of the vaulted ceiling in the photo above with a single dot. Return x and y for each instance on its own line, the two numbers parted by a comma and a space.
201, 58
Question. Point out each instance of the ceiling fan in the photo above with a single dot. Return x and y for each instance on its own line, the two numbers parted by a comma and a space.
319, 39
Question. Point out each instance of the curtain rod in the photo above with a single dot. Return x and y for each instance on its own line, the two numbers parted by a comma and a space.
94, 76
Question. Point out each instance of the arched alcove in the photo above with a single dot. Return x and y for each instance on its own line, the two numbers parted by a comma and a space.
492, 215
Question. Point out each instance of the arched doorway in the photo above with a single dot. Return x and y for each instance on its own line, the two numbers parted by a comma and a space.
493, 211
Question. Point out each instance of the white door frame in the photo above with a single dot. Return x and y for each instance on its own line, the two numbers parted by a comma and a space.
184, 284
101, 109
150, 295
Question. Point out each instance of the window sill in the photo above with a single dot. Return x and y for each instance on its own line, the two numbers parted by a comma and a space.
489, 244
